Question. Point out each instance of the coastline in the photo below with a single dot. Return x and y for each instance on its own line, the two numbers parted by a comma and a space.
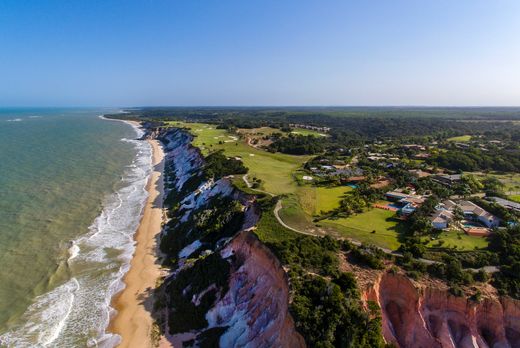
133, 321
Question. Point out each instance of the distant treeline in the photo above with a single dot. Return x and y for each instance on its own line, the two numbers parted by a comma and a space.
347, 123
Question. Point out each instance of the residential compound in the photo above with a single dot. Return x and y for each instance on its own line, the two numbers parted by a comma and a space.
465, 215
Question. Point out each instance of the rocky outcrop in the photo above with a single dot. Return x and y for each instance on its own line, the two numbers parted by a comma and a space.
423, 316
246, 304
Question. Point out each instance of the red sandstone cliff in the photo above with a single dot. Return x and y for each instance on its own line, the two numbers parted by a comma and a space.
424, 316
256, 305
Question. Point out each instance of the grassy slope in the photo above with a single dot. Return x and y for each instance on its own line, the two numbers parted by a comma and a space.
303, 131
275, 169
328, 198
459, 239
460, 139
360, 227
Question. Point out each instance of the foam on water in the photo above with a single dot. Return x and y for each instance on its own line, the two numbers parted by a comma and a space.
77, 312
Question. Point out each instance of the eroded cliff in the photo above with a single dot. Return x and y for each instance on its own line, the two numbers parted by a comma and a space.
225, 287
425, 314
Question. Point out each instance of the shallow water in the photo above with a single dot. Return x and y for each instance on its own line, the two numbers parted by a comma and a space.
72, 187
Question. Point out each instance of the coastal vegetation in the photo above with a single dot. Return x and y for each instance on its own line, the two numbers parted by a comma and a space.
315, 193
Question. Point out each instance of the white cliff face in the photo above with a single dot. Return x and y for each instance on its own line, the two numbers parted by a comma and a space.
255, 307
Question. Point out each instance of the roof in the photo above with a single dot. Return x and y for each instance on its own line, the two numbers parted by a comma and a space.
468, 206
442, 216
506, 203
449, 204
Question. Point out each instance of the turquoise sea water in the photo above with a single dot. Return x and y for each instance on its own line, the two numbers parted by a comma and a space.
72, 187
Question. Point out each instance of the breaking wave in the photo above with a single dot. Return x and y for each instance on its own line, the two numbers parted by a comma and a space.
78, 312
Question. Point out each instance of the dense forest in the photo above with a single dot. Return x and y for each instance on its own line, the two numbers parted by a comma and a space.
346, 123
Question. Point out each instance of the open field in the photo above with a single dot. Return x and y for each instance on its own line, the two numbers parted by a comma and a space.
460, 139
458, 239
328, 198
360, 227
258, 131
303, 131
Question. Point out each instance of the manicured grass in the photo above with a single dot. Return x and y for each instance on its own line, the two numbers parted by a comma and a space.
515, 198
360, 227
460, 139
328, 198
274, 169
259, 131
303, 131
458, 239
297, 209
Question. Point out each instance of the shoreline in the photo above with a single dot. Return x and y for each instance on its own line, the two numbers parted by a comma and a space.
133, 320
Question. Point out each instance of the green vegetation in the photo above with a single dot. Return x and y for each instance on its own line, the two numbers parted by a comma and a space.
298, 145
460, 139
507, 245
328, 198
217, 165
361, 227
475, 159
307, 132
456, 240
328, 313
274, 169
184, 315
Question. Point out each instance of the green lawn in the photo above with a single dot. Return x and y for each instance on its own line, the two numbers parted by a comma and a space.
303, 131
515, 198
328, 198
460, 139
458, 239
274, 169
360, 227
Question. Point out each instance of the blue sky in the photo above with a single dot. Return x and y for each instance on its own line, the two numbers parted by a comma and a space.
269, 52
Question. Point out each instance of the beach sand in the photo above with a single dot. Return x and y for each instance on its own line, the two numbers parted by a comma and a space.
133, 321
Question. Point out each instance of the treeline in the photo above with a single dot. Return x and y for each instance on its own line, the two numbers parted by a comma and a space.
218, 165
298, 145
347, 124
505, 160
506, 243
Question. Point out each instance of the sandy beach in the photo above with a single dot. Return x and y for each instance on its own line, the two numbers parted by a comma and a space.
133, 321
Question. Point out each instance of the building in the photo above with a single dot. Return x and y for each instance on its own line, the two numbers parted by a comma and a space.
441, 219
474, 212
446, 179
444, 215
505, 203
408, 202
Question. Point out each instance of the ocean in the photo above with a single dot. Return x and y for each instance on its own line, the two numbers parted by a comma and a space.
72, 189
